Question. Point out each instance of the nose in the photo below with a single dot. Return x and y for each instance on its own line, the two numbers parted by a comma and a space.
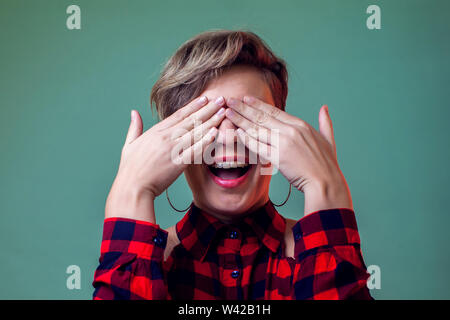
227, 133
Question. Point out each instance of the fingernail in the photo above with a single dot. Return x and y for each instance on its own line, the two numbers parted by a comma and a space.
202, 99
232, 102
230, 113
219, 101
212, 132
221, 111
133, 115
249, 100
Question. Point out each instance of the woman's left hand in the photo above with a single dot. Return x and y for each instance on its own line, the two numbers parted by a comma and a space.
306, 158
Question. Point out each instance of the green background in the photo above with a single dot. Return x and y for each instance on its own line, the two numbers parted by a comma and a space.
66, 96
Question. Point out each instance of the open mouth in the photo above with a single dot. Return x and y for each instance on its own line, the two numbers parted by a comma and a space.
229, 170
229, 174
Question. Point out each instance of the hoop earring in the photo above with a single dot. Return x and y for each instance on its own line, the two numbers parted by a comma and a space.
284, 202
167, 196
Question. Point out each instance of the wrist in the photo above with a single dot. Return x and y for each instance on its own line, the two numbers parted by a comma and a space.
131, 201
322, 195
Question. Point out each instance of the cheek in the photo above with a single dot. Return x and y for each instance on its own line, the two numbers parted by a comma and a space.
261, 181
194, 177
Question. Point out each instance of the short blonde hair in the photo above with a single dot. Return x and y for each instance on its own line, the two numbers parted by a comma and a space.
204, 58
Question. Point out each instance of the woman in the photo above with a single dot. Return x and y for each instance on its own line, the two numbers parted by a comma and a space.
223, 94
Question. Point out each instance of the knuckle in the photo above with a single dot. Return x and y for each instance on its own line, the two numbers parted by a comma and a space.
178, 115
214, 120
261, 117
292, 133
274, 112
301, 123
191, 121
164, 137
252, 131
173, 134
308, 129
198, 134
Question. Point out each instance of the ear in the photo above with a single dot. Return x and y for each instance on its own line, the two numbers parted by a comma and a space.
326, 126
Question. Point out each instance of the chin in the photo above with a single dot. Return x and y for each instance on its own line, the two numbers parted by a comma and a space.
228, 187
228, 204
233, 191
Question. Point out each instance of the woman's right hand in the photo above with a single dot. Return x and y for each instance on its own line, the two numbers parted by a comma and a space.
149, 165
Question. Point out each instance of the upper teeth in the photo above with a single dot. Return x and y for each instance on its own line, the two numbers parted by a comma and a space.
226, 165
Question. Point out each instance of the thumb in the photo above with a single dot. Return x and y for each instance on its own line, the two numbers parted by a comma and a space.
326, 126
135, 129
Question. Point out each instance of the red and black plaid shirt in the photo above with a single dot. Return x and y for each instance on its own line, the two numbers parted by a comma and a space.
239, 261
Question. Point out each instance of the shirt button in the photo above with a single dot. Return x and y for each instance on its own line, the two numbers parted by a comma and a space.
234, 235
158, 240
297, 236
235, 274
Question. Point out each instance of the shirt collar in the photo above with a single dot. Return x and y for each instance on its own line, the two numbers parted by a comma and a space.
197, 229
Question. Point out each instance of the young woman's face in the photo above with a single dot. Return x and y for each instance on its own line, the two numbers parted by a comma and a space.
223, 189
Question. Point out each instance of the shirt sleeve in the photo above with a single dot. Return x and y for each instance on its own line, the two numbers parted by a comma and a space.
328, 255
131, 257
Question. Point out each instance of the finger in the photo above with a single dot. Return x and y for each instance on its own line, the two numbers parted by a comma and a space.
194, 154
182, 113
135, 128
263, 150
261, 118
200, 116
270, 109
252, 129
326, 126
197, 133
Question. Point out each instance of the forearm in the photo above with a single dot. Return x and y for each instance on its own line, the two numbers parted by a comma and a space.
323, 195
126, 200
